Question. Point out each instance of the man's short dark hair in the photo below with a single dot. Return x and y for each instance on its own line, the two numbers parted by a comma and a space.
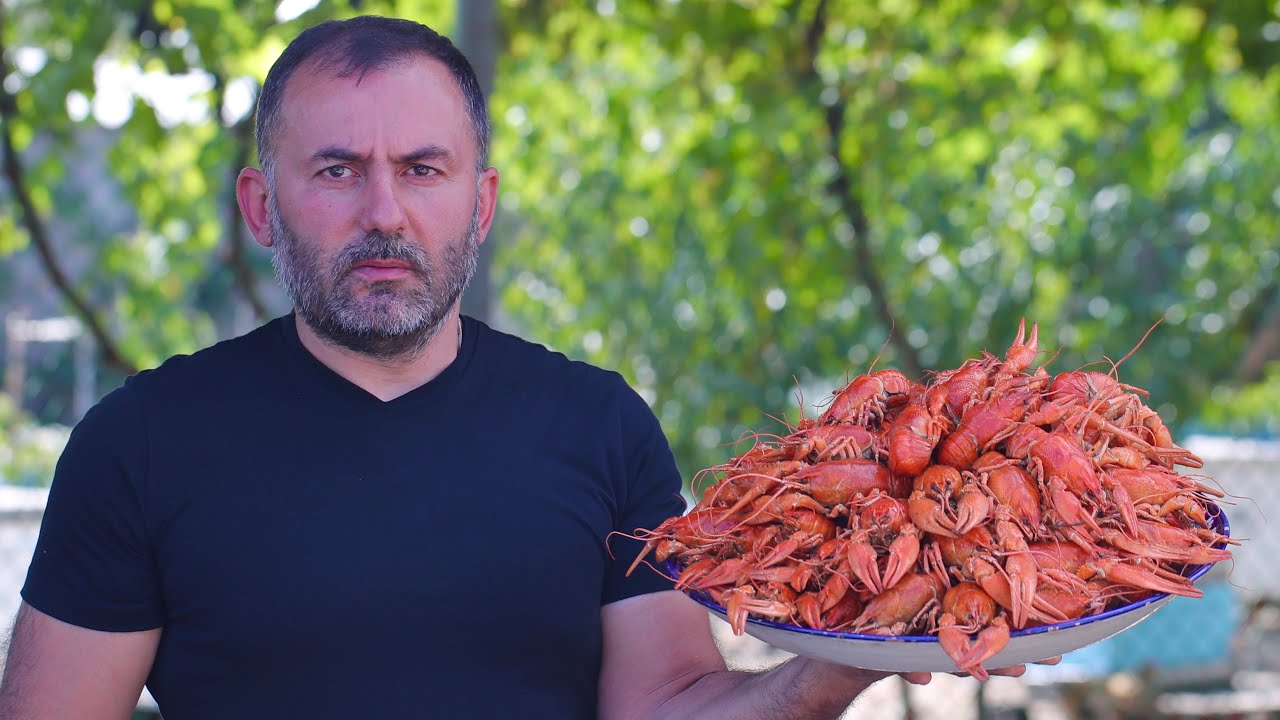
355, 48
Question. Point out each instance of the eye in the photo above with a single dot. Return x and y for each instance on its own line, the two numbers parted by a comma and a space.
423, 171
337, 171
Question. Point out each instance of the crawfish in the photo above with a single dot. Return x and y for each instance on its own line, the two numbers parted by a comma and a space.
1165, 451
866, 399
911, 440
806, 537
775, 601
1098, 391
809, 610
832, 442
884, 528
1001, 564
899, 609
1109, 407
1123, 456
1088, 387
811, 522
1148, 436
953, 392
813, 612
1053, 455
1063, 600
947, 502
696, 530
762, 454
958, 551
842, 482
1167, 491
1056, 558
982, 425
969, 629
796, 575
1019, 566
1017, 358
1158, 541
1012, 487
837, 588
769, 508
741, 488
711, 572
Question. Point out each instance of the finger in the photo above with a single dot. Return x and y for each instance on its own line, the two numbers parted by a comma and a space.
1011, 671
917, 678
1050, 661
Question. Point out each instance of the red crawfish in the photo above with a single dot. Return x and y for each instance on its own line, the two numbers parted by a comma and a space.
866, 399
970, 629
912, 438
983, 424
946, 502
844, 482
883, 534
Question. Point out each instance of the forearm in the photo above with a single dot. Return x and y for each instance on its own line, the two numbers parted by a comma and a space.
58, 670
799, 689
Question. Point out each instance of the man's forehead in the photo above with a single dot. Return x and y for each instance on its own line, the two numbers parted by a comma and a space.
431, 75
418, 90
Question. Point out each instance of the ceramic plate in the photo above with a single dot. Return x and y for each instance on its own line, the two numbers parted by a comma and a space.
922, 653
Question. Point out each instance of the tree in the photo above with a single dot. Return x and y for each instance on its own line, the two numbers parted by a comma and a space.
173, 85
742, 199
734, 202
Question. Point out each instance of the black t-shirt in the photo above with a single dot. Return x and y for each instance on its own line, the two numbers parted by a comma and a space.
313, 552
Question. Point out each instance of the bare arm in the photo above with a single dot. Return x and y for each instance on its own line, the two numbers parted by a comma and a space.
660, 661
57, 670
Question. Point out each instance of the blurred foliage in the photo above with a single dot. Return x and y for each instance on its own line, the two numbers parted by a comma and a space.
28, 450
1249, 410
738, 203
1093, 166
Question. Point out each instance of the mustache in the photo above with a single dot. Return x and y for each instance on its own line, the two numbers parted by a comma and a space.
378, 245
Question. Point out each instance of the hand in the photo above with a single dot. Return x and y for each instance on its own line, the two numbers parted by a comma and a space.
923, 678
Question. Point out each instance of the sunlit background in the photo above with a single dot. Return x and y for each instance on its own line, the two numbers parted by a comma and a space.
736, 204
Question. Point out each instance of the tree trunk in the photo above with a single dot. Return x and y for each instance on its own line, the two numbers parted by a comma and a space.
477, 37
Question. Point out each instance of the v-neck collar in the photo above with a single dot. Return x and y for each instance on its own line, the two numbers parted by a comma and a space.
314, 377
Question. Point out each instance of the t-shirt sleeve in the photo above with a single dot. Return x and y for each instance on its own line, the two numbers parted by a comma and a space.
652, 494
93, 566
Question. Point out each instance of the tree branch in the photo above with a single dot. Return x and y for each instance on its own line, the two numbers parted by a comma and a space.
31, 220
841, 187
235, 256
1262, 324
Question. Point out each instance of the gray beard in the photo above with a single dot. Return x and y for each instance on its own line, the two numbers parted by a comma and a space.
394, 320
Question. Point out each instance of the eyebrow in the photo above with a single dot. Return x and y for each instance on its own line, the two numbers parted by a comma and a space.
427, 153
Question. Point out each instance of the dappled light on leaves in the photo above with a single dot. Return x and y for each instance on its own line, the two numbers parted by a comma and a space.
675, 205
1094, 163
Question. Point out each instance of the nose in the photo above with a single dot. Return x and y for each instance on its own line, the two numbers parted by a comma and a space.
381, 205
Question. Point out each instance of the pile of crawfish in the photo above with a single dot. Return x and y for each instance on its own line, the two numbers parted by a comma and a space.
988, 499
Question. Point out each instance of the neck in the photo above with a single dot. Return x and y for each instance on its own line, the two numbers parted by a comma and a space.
387, 379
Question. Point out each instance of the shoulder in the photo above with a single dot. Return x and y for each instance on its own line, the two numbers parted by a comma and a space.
228, 356
229, 360
536, 365
527, 379
173, 390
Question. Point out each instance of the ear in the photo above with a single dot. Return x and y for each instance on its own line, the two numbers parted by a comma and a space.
252, 196
487, 196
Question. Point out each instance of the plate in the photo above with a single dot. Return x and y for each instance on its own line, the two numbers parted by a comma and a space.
922, 653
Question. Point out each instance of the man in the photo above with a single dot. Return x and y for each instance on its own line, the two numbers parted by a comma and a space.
372, 507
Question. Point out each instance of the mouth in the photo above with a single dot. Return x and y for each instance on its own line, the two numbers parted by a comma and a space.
381, 270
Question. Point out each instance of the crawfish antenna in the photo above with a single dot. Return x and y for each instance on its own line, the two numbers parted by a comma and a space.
1116, 365
883, 347
799, 399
